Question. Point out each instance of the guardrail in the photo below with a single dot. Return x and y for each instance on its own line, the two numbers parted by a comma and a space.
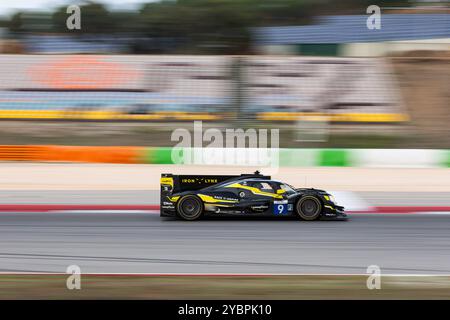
105, 115
409, 158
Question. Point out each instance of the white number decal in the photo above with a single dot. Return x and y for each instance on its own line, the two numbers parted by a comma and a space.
280, 208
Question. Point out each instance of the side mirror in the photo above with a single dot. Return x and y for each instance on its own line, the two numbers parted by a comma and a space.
281, 191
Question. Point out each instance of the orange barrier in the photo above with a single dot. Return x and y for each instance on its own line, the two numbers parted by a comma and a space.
19, 153
72, 154
90, 154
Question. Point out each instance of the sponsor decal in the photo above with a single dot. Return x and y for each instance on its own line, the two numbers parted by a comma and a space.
260, 208
82, 72
199, 180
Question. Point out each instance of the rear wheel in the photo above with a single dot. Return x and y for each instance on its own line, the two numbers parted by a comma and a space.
309, 208
190, 208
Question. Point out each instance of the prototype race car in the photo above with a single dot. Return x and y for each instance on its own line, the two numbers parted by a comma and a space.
191, 197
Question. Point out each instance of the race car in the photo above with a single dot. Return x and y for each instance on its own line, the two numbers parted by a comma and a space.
190, 197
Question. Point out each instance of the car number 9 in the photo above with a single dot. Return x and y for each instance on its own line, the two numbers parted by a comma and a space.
280, 208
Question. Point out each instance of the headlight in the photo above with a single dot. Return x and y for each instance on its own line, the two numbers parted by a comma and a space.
332, 198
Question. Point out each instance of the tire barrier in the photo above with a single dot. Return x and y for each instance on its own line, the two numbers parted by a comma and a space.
20, 153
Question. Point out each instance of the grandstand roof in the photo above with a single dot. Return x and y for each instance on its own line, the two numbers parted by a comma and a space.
353, 28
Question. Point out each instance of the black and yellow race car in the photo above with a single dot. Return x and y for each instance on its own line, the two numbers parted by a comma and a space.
190, 197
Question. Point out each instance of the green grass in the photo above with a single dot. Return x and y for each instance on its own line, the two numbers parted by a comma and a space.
229, 287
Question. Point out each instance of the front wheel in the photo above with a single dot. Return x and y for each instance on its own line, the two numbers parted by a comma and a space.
190, 208
309, 208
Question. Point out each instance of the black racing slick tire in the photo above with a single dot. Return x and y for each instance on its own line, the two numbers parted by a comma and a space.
190, 208
309, 208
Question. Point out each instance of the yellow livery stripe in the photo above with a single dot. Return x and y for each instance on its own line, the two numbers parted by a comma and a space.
174, 199
210, 199
255, 190
167, 181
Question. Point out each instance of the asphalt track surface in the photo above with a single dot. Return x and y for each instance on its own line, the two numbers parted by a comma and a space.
111, 242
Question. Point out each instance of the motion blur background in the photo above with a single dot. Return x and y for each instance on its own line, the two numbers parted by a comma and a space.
137, 70
86, 118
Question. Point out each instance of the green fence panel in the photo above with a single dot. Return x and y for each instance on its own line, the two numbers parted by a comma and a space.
446, 160
157, 155
334, 158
